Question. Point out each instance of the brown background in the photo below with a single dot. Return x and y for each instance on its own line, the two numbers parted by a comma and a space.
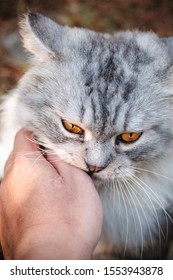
102, 15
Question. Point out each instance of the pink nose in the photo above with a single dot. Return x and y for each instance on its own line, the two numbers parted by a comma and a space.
95, 168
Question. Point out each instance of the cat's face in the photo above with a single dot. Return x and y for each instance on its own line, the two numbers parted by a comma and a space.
99, 102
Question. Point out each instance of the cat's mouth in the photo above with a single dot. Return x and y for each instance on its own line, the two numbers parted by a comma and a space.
94, 176
90, 173
43, 150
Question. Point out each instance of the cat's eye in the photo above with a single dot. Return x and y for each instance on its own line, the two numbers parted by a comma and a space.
73, 128
129, 137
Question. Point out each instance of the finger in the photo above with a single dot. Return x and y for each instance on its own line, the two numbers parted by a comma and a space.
66, 170
58, 164
9, 163
24, 142
23, 146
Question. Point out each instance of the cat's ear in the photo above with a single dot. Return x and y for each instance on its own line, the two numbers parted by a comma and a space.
41, 35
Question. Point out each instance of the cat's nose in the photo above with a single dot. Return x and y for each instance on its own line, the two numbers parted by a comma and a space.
93, 168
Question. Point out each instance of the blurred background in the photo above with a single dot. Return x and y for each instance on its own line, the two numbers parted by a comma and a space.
101, 15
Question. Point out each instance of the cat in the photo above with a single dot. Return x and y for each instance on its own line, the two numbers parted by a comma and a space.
103, 103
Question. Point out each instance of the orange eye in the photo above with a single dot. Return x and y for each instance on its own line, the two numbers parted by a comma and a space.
72, 127
129, 137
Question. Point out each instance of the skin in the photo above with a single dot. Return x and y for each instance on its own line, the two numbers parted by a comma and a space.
47, 210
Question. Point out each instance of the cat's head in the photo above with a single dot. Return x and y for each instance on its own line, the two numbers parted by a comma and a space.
102, 103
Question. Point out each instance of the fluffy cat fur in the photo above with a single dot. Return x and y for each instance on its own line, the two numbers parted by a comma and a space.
107, 85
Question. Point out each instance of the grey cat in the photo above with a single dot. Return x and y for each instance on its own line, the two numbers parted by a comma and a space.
103, 103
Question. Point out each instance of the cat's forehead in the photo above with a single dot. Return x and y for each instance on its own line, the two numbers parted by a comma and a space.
105, 77
110, 74
113, 68
111, 65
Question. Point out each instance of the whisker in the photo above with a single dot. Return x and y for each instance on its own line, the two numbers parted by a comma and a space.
151, 193
36, 141
116, 186
160, 231
134, 180
127, 218
156, 216
140, 224
152, 172
158, 200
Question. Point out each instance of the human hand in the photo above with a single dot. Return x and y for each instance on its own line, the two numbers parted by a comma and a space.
46, 212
